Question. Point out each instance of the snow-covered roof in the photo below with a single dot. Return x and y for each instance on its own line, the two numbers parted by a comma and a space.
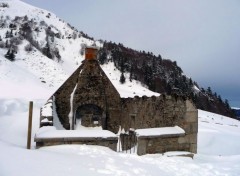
163, 131
51, 132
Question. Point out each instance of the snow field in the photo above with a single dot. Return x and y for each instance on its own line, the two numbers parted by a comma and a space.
218, 135
96, 160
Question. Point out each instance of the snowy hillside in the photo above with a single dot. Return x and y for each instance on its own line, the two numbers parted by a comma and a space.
34, 76
33, 68
47, 50
218, 151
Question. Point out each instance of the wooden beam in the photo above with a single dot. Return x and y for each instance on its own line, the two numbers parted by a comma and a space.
29, 125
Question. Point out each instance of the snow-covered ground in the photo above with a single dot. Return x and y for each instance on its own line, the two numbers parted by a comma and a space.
33, 76
218, 150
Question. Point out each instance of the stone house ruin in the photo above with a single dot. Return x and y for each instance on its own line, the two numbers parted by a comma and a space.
89, 99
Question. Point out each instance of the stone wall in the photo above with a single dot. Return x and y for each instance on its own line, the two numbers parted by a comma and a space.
95, 88
110, 142
46, 119
92, 87
62, 98
162, 111
160, 144
151, 112
189, 123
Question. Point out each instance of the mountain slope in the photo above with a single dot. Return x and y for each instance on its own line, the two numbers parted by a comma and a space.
47, 50
162, 75
28, 26
39, 49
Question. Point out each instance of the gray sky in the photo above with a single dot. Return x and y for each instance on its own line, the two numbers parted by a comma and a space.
203, 36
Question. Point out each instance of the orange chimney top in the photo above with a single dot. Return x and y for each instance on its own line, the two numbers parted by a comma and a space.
91, 53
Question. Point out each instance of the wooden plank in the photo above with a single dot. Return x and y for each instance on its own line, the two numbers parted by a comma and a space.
29, 125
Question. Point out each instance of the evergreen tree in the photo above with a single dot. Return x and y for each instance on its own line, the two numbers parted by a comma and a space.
190, 82
131, 73
209, 90
169, 88
160, 59
11, 33
193, 97
148, 76
7, 44
227, 104
220, 98
10, 55
122, 63
7, 35
176, 83
175, 63
154, 65
122, 78
102, 57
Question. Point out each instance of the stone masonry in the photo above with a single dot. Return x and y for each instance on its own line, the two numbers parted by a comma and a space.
162, 111
89, 95
92, 87
110, 142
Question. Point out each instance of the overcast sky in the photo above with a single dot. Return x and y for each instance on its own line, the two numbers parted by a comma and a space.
203, 36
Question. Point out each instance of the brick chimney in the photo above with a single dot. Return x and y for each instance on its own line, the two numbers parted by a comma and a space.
91, 52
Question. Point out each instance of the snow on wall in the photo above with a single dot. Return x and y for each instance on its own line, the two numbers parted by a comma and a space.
51, 132
160, 131
47, 109
56, 121
70, 115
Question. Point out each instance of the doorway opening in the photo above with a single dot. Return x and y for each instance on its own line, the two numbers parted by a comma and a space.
88, 115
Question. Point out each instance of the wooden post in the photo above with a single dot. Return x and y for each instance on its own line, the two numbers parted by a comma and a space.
29, 125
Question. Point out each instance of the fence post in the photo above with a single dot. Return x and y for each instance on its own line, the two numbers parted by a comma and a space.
135, 141
29, 125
